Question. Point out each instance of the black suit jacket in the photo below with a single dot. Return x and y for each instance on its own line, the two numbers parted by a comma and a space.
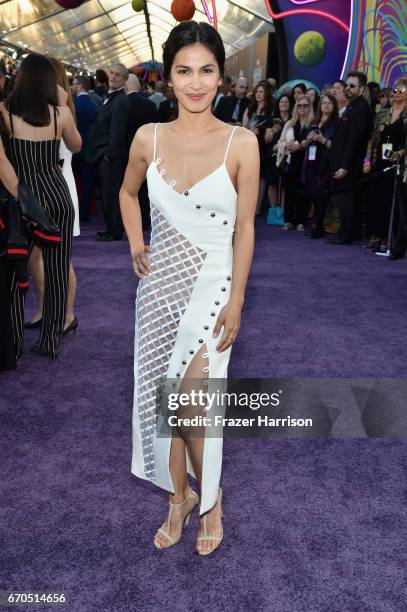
165, 110
107, 132
226, 106
350, 140
140, 111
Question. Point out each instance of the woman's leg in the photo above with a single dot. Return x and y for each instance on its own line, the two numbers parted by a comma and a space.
36, 269
71, 297
272, 195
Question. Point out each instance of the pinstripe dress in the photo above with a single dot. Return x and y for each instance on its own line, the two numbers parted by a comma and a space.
36, 165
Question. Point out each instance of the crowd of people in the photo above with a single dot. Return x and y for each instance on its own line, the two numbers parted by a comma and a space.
326, 156
328, 162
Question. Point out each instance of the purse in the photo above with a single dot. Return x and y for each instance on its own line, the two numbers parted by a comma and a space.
275, 216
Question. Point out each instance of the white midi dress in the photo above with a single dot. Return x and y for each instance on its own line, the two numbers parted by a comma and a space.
66, 155
177, 306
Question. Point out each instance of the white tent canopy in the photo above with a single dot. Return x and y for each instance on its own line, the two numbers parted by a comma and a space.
101, 31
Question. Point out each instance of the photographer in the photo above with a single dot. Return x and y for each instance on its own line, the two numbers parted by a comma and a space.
255, 118
387, 141
290, 158
271, 137
315, 172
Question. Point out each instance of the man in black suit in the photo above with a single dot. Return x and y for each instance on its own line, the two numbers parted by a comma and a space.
138, 111
167, 107
107, 147
85, 110
230, 109
348, 150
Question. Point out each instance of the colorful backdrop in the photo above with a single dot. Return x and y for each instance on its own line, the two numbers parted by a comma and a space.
378, 40
321, 40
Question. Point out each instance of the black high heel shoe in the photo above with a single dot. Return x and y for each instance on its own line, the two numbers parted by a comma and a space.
73, 326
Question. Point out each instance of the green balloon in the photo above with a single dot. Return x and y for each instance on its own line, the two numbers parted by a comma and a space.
137, 5
310, 48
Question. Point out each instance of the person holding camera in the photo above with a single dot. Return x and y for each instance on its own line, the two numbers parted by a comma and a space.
271, 138
315, 171
255, 118
290, 158
386, 144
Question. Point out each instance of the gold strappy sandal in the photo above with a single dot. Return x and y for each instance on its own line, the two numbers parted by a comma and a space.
185, 523
206, 537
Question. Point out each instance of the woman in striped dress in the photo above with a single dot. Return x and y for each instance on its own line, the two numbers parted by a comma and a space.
36, 124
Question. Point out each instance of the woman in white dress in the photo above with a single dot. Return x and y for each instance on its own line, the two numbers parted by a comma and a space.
203, 179
35, 262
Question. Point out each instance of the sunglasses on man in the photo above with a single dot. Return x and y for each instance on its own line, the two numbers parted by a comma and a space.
351, 86
401, 90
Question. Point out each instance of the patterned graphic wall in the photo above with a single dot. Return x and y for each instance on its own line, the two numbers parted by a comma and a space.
378, 40
320, 40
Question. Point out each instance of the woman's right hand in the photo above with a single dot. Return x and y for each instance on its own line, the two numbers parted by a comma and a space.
141, 265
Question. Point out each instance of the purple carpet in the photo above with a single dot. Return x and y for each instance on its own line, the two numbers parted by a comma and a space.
309, 524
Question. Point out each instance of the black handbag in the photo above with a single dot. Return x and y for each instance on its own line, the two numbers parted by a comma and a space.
45, 230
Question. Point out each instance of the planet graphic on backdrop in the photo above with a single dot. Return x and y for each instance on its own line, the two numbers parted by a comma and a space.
310, 48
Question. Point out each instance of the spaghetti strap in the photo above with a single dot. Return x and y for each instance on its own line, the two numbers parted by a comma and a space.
155, 141
55, 122
11, 122
230, 140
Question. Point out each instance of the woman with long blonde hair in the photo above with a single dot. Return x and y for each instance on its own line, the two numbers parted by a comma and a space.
292, 147
36, 264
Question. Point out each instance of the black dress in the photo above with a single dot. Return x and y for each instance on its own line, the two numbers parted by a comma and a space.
8, 347
36, 165
381, 195
297, 205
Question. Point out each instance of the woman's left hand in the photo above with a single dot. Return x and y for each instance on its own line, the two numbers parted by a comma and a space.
229, 318
256, 131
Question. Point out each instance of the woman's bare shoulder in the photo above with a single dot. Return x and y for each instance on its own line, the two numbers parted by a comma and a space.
245, 136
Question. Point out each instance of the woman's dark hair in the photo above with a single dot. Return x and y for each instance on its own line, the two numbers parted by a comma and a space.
335, 113
277, 113
316, 100
301, 86
3, 131
268, 106
35, 89
341, 82
101, 77
190, 32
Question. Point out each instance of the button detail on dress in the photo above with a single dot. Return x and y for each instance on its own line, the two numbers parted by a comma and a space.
186, 192
200, 340
217, 302
206, 326
223, 289
192, 351
198, 206
212, 314
228, 277
184, 361
212, 214
225, 222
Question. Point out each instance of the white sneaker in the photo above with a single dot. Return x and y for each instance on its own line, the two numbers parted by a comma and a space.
287, 226
300, 227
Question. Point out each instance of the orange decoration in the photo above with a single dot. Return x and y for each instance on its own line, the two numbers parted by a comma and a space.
183, 10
